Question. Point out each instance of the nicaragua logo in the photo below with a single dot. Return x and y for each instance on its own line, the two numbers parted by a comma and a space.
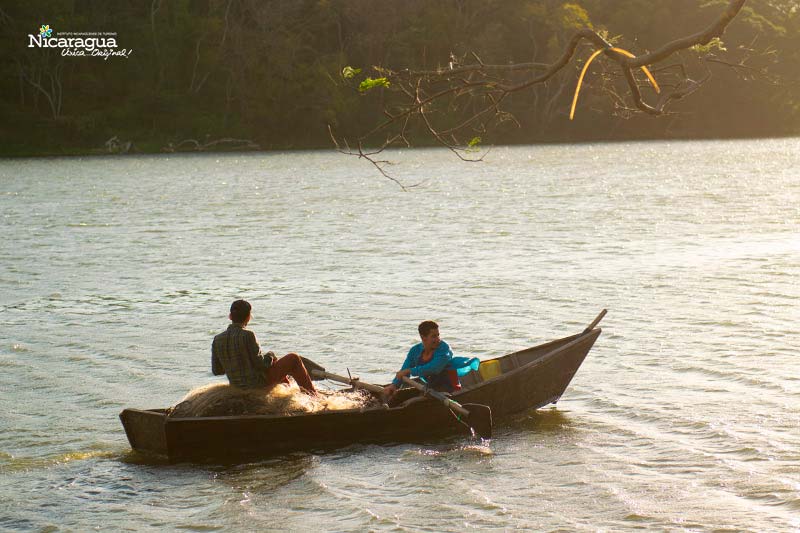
79, 44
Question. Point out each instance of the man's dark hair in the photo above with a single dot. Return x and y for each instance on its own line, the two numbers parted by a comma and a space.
426, 327
240, 310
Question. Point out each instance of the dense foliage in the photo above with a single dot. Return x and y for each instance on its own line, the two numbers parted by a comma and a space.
272, 71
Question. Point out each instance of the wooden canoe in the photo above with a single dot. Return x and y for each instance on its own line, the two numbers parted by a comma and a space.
516, 382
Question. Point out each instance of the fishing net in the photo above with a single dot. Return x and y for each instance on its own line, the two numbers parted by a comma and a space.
220, 399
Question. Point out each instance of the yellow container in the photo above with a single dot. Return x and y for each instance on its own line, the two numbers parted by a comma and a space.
489, 369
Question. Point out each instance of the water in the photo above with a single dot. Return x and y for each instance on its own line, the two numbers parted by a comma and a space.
116, 272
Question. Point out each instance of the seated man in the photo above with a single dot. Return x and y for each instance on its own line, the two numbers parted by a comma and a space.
429, 359
236, 352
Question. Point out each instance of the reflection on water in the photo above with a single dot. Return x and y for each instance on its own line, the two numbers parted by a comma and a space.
545, 420
116, 273
265, 476
10, 464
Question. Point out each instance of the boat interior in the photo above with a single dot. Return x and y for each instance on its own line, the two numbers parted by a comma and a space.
490, 369
493, 368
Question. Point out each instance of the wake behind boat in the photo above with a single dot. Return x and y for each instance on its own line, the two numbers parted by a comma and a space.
516, 382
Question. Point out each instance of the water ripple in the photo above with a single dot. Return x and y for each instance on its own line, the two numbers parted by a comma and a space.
115, 277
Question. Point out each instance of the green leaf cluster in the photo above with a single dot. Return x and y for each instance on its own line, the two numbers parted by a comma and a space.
369, 84
350, 72
713, 44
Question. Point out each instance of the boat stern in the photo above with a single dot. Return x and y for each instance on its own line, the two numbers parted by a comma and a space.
146, 430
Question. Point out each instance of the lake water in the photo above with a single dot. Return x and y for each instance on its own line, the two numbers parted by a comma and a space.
115, 273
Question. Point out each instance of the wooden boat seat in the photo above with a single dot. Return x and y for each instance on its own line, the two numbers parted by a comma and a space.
510, 362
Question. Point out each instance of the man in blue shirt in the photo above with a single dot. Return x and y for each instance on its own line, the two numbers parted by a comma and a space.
428, 359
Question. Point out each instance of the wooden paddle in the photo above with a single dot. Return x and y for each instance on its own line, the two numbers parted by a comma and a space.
311, 366
477, 416
320, 373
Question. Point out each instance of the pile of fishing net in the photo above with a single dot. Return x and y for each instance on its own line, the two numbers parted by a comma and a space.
220, 399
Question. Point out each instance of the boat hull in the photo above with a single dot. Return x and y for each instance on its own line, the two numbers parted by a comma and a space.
531, 378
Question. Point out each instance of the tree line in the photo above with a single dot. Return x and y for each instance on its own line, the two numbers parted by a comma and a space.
243, 74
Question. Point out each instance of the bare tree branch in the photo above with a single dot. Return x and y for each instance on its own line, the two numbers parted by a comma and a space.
716, 29
378, 164
468, 98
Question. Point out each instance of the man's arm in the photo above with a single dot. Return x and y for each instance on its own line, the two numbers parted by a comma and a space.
216, 365
410, 360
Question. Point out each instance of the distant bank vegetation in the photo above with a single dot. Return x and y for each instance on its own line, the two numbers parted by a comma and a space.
248, 74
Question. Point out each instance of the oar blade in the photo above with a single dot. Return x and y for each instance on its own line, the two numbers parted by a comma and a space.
480, 419
311, 366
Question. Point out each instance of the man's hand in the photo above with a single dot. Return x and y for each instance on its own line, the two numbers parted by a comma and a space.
389, 391
269, 360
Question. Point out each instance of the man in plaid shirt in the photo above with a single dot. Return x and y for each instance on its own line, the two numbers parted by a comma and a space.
236, 352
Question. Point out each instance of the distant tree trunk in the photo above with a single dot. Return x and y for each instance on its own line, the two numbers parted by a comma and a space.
155, 6
47, 82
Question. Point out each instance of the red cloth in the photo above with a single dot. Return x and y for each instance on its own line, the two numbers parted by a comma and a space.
452, 375
289, 365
